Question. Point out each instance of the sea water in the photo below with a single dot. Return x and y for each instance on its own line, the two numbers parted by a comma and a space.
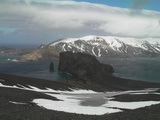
147, 69
35, 69
142, 68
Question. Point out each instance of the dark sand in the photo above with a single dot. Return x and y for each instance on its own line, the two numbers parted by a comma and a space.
30, 111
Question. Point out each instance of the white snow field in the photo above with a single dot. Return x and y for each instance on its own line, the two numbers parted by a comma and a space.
85, 101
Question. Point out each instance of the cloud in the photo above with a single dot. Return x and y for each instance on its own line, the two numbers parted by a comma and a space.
76, 18
139, 4
132, 26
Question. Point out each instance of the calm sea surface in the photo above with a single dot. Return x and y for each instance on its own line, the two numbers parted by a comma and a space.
147, 69
37, 69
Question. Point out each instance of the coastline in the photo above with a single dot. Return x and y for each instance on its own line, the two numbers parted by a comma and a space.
116, 83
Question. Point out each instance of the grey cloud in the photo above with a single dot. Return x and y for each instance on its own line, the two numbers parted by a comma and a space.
53, 19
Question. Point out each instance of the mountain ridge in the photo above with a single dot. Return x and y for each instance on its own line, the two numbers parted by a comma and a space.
100, 46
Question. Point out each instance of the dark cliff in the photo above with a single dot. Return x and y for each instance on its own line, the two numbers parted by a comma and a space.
84, 67
88, 70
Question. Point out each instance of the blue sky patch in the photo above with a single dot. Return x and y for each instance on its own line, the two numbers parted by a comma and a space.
7, 30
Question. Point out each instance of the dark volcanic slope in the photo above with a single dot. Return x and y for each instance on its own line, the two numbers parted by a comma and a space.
12, 80
30, 111
25, 81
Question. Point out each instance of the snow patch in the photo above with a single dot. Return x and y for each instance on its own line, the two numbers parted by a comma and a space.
145, 93
99, 52
69, 46
15, 60
72, 105
18, 103
130, 105
94, 52
126, 49
64, 47
1, 85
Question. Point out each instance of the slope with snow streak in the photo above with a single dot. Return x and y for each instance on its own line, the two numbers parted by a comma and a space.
98, 103
71, 103
101, 46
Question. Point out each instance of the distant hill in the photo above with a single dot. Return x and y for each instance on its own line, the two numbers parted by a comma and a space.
14, 51
5, 48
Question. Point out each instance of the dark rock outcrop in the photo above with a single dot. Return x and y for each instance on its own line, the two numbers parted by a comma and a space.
51, 67
84, 67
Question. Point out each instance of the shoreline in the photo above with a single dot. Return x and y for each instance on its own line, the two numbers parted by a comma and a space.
116, 83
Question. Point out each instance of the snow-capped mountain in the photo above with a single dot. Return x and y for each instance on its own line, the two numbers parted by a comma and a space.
99, 46
102, 46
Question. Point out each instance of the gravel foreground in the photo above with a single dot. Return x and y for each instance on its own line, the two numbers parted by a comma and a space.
26, 110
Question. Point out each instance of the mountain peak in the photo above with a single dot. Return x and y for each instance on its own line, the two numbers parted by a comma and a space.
110, 46
100, 46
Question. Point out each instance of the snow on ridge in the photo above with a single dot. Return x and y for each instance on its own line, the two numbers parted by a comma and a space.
135, 42
67, 40
71, 40
113, 41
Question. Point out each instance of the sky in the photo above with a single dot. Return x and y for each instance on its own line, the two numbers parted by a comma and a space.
140, 4
36, 22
